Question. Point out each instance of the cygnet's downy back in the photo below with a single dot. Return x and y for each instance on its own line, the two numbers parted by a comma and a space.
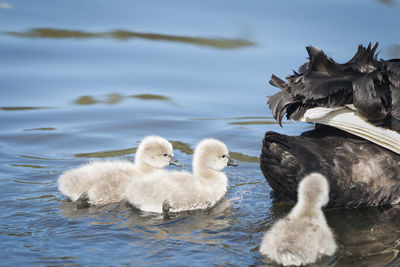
303, 235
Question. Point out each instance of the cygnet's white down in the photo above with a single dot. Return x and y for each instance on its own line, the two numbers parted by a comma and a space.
303, 235
104, 182
174, 191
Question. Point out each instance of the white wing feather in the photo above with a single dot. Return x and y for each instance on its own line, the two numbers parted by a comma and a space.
346, 119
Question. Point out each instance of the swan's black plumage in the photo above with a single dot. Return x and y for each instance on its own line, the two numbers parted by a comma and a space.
360, 172
372, 85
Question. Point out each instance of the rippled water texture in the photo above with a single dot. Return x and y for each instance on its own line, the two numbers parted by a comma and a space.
87, 80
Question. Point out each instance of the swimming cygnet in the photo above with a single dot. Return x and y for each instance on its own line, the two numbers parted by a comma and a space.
303, 235
173, 191
103, 182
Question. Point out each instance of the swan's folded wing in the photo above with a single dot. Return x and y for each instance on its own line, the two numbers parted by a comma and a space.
347, 120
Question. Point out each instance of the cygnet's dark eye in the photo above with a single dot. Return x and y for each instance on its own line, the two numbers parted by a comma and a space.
223, 156
165, 154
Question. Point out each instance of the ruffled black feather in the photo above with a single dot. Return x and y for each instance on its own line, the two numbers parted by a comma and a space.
372, 85
342, 157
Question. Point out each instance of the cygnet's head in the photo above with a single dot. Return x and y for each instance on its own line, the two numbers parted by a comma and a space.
156, 152
211, 154
314, 188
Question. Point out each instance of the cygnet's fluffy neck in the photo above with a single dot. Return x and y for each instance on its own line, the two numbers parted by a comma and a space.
312, 196
140, 163
202, 169
305, 209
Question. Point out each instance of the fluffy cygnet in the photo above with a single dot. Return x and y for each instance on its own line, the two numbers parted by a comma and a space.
174, 191
103, 182
303, 235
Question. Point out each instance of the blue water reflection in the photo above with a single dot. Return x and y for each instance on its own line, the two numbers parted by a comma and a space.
82, 80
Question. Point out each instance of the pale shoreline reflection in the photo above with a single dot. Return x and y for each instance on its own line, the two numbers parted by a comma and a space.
219, 43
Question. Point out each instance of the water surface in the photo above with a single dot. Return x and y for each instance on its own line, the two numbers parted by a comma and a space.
83, 81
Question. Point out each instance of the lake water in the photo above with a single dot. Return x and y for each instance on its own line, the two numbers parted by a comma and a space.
84, 80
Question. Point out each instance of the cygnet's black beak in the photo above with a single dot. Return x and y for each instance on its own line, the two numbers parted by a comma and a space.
232, 162
174, 161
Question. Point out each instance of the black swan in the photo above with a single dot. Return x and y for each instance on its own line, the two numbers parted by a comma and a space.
356, 141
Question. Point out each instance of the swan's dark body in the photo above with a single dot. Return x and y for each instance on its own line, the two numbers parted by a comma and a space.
359, 172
